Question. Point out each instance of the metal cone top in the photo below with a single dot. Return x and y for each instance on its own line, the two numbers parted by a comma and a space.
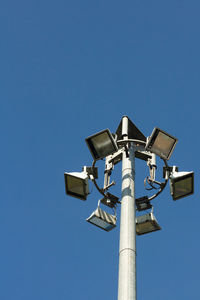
133, 132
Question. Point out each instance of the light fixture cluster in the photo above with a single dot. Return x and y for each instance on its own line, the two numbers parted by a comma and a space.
106, 145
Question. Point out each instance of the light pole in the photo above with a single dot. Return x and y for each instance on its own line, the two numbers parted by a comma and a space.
127, 144
127, 245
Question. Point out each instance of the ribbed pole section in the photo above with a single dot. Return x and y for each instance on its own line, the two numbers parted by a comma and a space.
127, 247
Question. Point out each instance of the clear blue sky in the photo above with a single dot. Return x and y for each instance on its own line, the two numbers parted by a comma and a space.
67, 70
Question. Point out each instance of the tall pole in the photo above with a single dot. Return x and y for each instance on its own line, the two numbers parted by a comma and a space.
127, 246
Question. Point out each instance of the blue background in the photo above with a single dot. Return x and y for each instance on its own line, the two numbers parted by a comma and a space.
70, 69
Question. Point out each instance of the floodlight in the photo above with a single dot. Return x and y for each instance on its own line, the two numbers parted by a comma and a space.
146, 223
76, 184
102, 219
143, 203
161, 143
110, 200
101, 144
181, 184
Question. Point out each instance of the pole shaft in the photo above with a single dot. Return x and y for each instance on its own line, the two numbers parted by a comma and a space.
127, 247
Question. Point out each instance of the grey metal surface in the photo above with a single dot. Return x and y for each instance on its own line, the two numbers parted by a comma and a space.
127, 246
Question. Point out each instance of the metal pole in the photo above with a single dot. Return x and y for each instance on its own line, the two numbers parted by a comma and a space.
127, 247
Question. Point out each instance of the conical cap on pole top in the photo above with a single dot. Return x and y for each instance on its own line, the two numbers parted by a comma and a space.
133, 131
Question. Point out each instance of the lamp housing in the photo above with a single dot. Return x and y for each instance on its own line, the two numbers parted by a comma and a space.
110, 200
102, 219
146, 223
181, 184
101, 144
76, 184
161, 143
143, 203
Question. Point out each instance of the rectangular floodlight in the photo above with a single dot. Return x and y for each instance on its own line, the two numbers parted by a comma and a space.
101, 144
76, 185
102, 219
181, 184
143, 203
161, 143
146, 223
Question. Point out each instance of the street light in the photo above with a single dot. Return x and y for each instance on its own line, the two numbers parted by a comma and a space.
161, 143
181, 184
129, 144
101, 144
102, 219
76, 184
146, 223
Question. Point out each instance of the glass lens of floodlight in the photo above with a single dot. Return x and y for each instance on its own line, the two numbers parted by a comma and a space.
100, 223
101, 144
146, 223
163, 144
145, 228
183, 187
75, 186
